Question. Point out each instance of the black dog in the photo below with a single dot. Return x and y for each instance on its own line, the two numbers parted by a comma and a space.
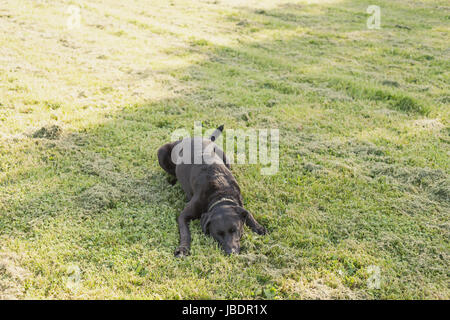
213, 193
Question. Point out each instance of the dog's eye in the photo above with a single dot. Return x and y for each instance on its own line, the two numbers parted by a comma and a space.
232, 230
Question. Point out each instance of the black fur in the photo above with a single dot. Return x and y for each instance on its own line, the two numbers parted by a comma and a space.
205, 184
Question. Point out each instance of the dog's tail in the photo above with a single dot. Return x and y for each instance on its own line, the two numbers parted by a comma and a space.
216, 133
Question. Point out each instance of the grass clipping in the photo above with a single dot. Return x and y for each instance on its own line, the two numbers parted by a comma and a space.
12, 277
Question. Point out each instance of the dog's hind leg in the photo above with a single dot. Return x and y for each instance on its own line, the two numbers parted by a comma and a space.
165, 161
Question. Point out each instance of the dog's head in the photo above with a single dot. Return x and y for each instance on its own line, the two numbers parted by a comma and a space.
226, 225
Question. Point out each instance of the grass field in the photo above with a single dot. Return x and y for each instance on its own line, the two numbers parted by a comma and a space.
363, 190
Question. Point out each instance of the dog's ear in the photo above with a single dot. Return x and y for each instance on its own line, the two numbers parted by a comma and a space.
205, 221
243, 213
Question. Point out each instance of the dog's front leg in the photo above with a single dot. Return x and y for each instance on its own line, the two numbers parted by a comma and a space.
183, 220
254, 225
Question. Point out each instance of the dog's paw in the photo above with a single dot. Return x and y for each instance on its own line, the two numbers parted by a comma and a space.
181, 252
261, 230
172, 180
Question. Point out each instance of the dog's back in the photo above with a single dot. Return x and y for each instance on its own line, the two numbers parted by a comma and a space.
192, 160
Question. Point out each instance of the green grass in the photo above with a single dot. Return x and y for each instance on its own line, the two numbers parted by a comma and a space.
364, 147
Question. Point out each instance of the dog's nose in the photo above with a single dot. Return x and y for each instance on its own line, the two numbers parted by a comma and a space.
234, 250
